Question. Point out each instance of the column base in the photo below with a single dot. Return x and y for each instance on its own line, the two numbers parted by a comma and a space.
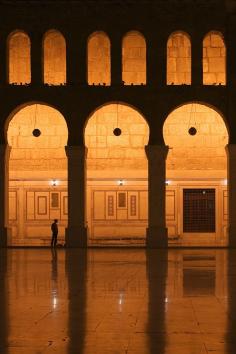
76, 237
5, 234
232, 237
157, 237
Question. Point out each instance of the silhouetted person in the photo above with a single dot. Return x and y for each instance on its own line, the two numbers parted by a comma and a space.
54, 229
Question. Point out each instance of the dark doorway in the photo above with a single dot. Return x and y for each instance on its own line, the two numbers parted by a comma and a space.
199, 210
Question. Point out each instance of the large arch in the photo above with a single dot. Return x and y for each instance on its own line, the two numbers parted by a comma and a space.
37, 135
116, 175
196, 135
19, 60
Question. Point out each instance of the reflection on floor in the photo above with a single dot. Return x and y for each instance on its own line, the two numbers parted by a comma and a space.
117, 301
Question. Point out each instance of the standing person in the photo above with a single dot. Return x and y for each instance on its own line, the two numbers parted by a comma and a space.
54, 229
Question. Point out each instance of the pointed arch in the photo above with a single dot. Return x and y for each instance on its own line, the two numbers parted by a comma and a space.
214, 59
179, 59
99, 59
134, 58
54, 58
19, 61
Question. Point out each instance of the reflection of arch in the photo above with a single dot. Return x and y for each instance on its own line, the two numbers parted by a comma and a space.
115, 166
34, 163
214, 59
134, 58
54, 61
99, 61
19, 68
179, 59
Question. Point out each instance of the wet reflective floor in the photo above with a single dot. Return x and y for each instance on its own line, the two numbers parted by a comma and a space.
117, 301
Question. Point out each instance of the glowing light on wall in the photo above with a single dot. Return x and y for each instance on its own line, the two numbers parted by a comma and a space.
54, 182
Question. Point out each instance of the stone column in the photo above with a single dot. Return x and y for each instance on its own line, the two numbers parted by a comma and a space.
76, 232
4, 197
157, 236
3, 61
36, 59
231, 166
76, 60
197, 69
116, 60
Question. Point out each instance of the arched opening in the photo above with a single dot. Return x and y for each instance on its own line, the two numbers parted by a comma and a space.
196, 197
37, 135
214, 59
19, 68
134, 59
179, 59
54, 58
99, 60
115, 136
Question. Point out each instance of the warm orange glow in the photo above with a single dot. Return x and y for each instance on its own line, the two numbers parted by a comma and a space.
134, 59
178, 59
214, 59
99, 66
204, 153
109, 152
54, 58
19, 58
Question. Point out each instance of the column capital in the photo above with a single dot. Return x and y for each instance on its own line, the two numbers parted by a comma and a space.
231, 150
156, 152
5, 150
76, 151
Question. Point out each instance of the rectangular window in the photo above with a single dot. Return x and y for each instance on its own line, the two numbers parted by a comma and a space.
121, 200
199, 210
54, 200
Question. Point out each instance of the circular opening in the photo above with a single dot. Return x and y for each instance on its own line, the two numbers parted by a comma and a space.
36, 133
192, 131
117, 131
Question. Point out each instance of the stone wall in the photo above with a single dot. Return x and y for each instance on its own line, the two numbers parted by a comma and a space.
54, 58
109, 152
178, 59
99, 66
42, 156
214, 57
202, 154
19, 70
134, 59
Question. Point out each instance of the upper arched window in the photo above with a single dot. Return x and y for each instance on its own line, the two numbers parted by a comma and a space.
19, 68
214, 59
54, 58
178, 59
134, 59
99, 61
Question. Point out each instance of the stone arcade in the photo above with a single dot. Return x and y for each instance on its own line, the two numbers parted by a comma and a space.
71, 73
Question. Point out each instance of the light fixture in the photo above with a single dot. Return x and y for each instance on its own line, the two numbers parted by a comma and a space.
192, 124
121, 182
167, 182
36, 132
54, 182
117, 131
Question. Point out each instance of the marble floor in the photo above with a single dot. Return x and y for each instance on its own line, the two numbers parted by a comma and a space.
117, 301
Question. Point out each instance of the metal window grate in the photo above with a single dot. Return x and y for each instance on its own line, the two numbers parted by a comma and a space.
199, 210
